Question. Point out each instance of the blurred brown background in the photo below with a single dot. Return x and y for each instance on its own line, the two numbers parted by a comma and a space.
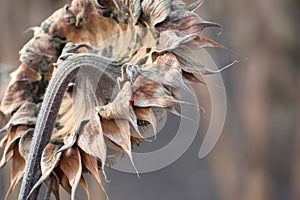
257, 154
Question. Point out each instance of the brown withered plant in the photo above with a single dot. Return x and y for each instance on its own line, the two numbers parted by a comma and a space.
93, 78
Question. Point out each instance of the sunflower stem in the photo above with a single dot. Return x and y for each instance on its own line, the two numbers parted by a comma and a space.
66, 71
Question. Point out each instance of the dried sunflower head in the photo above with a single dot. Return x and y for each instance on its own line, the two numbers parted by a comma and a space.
151, 47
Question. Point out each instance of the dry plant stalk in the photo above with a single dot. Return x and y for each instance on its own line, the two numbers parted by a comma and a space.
149, 56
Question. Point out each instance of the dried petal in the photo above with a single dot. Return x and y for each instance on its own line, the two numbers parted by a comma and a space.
91, 140
70, 164
128, 8
3, 140
69, 141
147, 93
66, 118
25, 142
64, 182
187, 49
17, 94
172, 40
3, 119
22, 87
191, 77
91, 164
17, 171
118, 131
113, 152
121, 107
85, 186
165, 70
136, 136
146, 114
187, 22
25, 115
13, 136
84, 99
195, 5
155, 11
54, 181
42, 50
25, 73
55, 185
179, 2
50, 158
210, 72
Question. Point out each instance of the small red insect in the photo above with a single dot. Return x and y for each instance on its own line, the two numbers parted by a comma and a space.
131, 100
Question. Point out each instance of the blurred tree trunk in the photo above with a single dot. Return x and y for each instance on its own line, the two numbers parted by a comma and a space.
296, 151
296, 166
240, 159
253, 157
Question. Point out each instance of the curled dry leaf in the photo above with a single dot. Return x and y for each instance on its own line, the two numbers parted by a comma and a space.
153, 46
